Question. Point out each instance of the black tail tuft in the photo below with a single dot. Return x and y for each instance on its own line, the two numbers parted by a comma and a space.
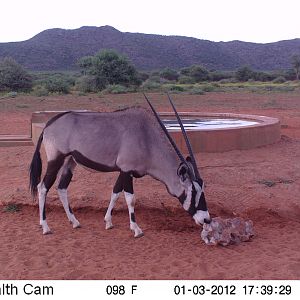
35, 169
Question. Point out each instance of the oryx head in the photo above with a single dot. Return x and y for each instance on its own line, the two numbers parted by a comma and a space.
193, 198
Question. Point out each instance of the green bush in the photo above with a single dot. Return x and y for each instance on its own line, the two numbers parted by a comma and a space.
228, 80
40, 91
116, 89
143, 76
279, 79
184, 79
169, 74
13, 77
220, 75
197, 72
208, 87
108, 68
86, 84
196, 90
176, 88
151, 85
244, 74
57, 84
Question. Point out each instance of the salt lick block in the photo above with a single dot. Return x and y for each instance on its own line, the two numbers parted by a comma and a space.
227, 231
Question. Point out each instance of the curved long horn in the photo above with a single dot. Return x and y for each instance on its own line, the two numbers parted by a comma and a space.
162, 125
188, 144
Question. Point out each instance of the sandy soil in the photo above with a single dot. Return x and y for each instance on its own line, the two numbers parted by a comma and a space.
260, 184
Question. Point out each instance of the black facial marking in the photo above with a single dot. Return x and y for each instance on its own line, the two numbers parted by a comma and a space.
182, 198
202, 203
132, 217
192, 209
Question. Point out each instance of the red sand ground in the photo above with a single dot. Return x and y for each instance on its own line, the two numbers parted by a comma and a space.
261, 184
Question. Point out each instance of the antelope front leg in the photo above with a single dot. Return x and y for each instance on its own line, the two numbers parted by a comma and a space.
133, 225
108, 218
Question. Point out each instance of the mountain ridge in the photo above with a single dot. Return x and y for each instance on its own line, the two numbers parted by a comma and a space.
60, 49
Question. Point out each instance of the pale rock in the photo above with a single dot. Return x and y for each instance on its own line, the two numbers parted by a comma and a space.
227, 231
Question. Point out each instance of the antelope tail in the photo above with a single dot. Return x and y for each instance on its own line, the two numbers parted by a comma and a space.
35, 169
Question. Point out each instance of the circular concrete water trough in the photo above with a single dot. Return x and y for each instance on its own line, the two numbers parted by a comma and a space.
208, 132
220, 132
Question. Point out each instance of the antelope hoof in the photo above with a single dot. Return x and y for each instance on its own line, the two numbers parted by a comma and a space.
76, 225
109, 226
139, 235
46, 232
46, 229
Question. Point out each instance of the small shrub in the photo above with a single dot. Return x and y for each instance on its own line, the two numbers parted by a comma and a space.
219, 75
86, 84
143, 76
116, 89
40, 91
183, 79
279, 79
268, 183
196, 91
57, 84
228, 80
176, 88
276, 88
12, 95
208, 88
12, 208
244, 74
154, 78
169, 74
151, 85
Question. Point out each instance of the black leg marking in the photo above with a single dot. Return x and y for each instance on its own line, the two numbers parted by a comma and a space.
128, 183
50, 177
44, 212
124, 182
118, 187
132, 217
65, 180
70, 209
52, 170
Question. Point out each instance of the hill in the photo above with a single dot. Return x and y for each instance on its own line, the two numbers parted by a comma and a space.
59, 49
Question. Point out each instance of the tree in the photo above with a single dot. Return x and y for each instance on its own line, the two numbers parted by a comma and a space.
169, 74
244, 74
13, 77
197, 73
296, 65
108, 67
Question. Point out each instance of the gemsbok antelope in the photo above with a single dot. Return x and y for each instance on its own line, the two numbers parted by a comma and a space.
133, 142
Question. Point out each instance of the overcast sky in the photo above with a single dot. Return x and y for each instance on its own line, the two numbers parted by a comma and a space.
260, 21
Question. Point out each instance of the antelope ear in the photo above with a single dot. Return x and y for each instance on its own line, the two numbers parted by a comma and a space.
189, 161
182, 172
